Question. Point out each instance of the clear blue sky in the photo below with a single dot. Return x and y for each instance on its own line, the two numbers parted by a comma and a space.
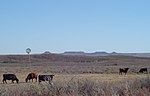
74, 25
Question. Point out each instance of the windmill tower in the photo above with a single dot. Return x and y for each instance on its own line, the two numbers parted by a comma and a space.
28, 51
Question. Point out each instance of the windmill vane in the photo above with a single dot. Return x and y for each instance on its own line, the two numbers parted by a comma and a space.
28, 50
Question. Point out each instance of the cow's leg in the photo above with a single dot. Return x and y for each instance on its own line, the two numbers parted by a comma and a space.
39, 81
49, 81
36, 79
4, 81
120, 73
12, 81
145, 72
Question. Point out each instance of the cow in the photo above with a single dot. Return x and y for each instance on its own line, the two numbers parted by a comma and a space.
31, 76
142, 70
48, 78
123, 70
10, 77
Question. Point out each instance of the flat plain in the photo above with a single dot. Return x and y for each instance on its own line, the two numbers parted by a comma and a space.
71, 72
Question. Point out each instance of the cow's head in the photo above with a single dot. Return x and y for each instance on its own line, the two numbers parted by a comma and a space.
51, 77
17, 80
127, 68
26, 80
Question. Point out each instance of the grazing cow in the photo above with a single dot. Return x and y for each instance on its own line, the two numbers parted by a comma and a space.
142, 70
31, 76
123, 70
10, 77
48, 78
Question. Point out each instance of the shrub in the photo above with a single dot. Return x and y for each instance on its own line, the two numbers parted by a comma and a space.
79, 87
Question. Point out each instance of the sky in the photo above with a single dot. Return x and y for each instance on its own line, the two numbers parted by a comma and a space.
57, 26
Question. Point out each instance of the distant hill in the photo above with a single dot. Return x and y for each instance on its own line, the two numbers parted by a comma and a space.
47, 52
81, 53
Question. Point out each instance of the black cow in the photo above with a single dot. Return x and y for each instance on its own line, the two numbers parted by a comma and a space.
123, 70
142, 70
48, 78
10, 77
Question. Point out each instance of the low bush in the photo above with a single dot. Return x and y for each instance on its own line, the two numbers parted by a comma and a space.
82, 87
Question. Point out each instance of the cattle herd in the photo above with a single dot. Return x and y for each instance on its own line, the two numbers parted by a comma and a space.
125, 70
49, 78
30, 76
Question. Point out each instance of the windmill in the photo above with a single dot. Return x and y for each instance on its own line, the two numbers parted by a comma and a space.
28, 51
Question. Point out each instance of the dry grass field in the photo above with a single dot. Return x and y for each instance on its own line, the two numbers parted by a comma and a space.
76, 75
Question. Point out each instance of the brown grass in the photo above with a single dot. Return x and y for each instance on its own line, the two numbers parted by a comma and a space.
86, 86
76, 76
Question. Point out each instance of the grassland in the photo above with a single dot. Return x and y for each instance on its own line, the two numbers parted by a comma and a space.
76, 75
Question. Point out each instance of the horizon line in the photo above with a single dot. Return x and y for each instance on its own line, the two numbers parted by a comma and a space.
36, 53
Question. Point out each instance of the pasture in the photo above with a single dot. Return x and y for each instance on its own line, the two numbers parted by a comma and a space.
76, 76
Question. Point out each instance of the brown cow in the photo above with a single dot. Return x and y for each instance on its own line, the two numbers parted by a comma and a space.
123, 70
31, 76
